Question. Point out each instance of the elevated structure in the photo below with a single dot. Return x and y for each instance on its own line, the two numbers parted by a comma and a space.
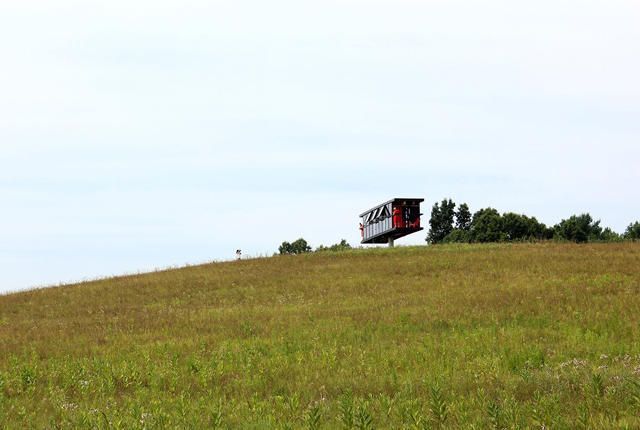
390, 220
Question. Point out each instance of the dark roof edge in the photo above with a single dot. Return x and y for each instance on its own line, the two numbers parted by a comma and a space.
390, 201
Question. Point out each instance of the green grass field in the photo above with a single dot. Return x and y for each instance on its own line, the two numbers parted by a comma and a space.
469, 336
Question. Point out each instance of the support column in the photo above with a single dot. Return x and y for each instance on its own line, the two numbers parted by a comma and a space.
390, 242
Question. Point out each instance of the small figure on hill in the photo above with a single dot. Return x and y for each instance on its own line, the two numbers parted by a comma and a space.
238, 254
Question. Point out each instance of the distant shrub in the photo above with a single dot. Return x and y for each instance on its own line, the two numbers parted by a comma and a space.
457, 236
300, 246
343, 245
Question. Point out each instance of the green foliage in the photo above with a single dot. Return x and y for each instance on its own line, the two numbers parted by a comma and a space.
28, 378
609, 235
494, 411
597, 385
343, 245
217, 419
635, 392
438, 407
363, 419
463, 217
633, 231
300, 246
458, 236
346, 411
313, 417
518, 227
578, 228
487, 226
441, 221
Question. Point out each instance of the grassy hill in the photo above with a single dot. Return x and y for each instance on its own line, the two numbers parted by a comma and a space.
492, 336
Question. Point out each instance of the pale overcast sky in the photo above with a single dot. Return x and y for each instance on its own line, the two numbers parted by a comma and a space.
144, 134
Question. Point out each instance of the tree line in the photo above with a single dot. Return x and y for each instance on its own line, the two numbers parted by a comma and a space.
301, 246
449, 224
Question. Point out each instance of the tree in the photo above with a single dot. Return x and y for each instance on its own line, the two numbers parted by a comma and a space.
487, 226
578, 228
285, 248
521, 227
463, 217
441, 222
300, 246
515, 226
633, 231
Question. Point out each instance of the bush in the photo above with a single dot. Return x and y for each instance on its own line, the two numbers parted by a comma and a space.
457, 236
300, 246
342, 246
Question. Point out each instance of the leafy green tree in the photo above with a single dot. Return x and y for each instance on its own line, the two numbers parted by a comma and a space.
515, 226
463, 217
578, 228
487, 226
521, 227
633, 231
538, 230
300, 246
441, 222
285, 248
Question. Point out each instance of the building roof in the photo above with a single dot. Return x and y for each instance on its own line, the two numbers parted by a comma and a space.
419, 200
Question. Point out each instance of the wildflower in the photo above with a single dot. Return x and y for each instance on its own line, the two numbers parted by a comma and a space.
144, 417
69, 406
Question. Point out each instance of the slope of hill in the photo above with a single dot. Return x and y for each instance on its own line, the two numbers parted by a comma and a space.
492, 336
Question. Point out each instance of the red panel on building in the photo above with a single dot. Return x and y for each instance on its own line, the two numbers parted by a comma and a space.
391, 220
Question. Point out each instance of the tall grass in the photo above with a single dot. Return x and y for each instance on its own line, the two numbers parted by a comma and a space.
460, 336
